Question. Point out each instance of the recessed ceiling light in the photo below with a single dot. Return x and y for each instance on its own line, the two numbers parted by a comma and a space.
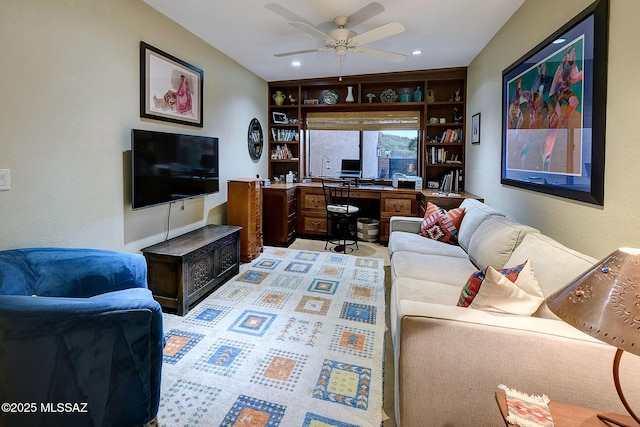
296, 63
559, 41
416, 52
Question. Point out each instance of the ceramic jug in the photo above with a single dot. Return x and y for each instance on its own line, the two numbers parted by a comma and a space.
278, 97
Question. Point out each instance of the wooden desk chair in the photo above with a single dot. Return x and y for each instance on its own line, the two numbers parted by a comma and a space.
340, 211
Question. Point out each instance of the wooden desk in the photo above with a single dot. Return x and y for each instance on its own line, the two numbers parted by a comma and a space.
565, 415
380, 201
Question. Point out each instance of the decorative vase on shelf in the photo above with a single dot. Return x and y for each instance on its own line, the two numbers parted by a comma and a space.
349, 97
278, 97
417, 95
405, 96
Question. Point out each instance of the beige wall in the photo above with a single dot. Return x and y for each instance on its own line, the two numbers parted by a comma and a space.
70, 85
595, 230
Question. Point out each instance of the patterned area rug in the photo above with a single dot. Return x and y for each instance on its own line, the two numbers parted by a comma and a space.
296, 339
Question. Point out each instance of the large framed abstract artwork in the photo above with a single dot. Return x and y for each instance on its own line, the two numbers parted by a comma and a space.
554, 110
170, 89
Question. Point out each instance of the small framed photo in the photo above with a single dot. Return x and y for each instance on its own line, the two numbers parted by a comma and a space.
475, 129
280, 118
434, 185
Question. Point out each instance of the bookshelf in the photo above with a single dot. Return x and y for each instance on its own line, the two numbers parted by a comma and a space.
441, 103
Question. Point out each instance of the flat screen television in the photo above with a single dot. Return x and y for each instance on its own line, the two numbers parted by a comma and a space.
168, 167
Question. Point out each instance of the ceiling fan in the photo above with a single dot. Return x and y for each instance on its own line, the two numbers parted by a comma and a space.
335, 34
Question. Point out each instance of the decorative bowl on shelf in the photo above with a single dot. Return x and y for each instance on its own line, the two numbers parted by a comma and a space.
388, 95
330, 97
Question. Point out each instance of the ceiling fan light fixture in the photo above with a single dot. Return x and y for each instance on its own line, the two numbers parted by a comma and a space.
341, 50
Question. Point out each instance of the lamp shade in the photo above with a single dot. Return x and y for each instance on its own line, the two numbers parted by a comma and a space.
604, 301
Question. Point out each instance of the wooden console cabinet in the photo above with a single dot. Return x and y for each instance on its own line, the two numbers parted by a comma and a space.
182, 270
244, 208
279, 203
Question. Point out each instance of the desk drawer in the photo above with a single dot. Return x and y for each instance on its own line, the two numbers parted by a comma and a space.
313, 201
358, 194
398, 206
313, 224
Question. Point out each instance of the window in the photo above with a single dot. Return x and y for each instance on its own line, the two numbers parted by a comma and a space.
384, 142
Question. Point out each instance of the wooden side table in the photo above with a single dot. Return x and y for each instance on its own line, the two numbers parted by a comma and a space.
565, 415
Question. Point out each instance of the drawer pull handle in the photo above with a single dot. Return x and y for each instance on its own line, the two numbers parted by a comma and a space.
315, 202
398, 207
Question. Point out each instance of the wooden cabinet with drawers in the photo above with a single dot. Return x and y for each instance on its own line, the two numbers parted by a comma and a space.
279, 202
244, 208
312, 218
397, 204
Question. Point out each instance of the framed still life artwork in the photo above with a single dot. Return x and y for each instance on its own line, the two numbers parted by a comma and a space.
554, 111
170, 89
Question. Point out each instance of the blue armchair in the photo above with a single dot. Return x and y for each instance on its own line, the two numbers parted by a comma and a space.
80, 339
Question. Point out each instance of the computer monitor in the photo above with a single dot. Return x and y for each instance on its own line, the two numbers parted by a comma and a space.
350, 168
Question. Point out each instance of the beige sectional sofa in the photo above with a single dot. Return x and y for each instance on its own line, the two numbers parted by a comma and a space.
449, 360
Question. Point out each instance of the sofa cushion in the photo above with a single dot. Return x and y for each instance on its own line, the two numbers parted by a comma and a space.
436, 268
555, 264
412, 242
494, 241
404, 288
440, 224
475, 212
512, 290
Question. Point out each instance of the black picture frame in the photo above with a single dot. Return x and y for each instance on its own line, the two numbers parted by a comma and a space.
171, 89
475, 128
554, 111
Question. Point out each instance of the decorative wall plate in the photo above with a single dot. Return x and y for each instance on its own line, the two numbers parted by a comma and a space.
330, 97
388, 95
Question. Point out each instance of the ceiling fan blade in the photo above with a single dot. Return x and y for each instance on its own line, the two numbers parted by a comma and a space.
313, 31
366, 13
380, 54
300, 52
286, 13
386, 30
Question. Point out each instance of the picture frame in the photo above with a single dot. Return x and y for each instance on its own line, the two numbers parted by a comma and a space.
554, 111
171, 89
475, 128
279, 118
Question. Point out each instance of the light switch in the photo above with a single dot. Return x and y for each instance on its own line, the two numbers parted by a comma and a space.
5, 179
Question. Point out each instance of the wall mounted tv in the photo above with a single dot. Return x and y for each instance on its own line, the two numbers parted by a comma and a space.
169, 167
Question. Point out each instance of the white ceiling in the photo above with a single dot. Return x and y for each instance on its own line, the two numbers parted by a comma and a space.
449, 32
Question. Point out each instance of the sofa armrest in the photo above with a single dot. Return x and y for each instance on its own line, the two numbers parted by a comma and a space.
405, 223
449, 361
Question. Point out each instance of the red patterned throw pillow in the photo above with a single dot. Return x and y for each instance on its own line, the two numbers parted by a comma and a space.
440, 224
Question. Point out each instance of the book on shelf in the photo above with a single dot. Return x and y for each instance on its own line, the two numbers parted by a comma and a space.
451, 182
282, 153
451, 135
278, 134
439, 155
